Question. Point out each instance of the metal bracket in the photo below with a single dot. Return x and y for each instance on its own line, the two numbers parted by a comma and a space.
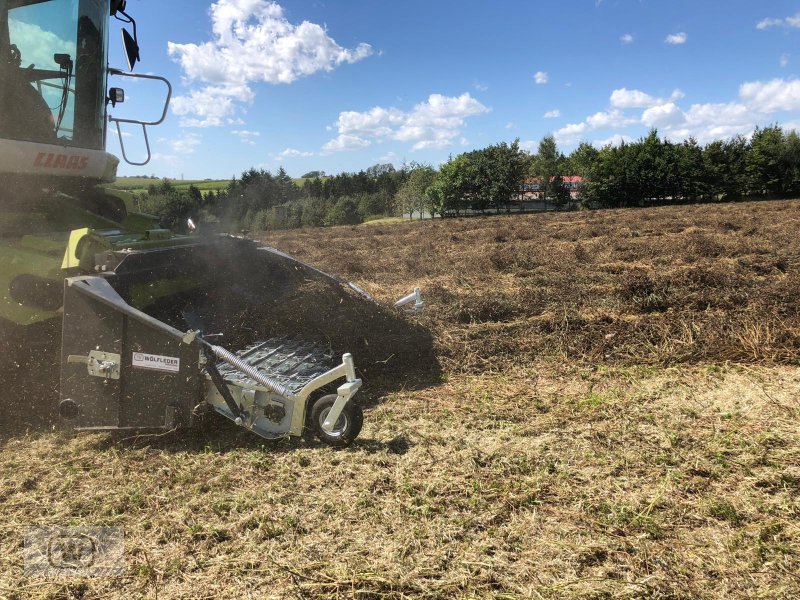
99, 364
414, 298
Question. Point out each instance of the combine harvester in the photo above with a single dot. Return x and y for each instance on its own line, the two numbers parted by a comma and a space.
132, 316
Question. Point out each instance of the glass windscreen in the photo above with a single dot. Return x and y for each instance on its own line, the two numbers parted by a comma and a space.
53, 71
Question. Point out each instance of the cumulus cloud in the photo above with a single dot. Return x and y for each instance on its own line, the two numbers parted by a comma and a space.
626, 38
771, 96
569, 134
186, 144
793, 21
552, 114
757, 103
663, 115
625, 98
293, 153
611, 118
253, 42
435, 123
784, 60
540, 77
676, 39
345, 142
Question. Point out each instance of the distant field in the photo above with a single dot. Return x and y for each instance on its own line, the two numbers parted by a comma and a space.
140, 184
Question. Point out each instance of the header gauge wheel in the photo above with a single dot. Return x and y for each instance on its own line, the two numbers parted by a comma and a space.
347, 427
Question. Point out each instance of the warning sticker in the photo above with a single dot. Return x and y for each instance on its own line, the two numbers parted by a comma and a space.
155, 362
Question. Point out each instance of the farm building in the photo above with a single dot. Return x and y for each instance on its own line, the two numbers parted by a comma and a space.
531, 188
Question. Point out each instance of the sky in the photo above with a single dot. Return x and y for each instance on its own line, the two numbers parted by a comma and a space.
340, 86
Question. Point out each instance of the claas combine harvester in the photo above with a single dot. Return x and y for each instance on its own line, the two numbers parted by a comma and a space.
111, 321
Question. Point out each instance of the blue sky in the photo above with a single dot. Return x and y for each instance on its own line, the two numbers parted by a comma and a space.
340, 86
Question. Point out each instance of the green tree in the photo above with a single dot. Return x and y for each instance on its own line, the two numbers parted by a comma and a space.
412, 196
581, 161
764, 165
560, 193
343, 212
453, 189
546, 164
499, 171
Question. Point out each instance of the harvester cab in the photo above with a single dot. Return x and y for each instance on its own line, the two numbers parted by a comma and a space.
116, 323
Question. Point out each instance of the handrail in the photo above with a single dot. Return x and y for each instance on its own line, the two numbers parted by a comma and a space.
144, 124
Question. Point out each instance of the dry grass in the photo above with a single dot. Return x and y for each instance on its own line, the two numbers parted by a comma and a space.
618, 419
692, 284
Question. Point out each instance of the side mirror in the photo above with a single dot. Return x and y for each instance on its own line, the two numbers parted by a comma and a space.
116, 95
131, 47
117, 5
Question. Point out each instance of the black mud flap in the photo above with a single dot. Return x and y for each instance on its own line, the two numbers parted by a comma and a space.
121, 368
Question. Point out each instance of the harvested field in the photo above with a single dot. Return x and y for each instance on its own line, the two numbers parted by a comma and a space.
689, 284
617, 417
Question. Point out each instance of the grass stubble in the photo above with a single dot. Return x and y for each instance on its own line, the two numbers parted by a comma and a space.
618, 418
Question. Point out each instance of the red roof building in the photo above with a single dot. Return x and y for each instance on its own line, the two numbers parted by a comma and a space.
531, 188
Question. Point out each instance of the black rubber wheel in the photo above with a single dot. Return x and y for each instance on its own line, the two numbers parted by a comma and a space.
347, 427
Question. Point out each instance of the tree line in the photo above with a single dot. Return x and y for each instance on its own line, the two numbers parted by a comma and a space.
651, 170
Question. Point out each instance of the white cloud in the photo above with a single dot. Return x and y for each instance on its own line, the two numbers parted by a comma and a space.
541, 77
481, 87
784, 60
292, 153
187, 144
509, 125
571, 133
676, 39
793, 21
246, 137
663, 115
435, 123
676, 95
552, 114
252, 42
625, 98
626, 38
208, 106
614, 140
611, 118
771, 96
758, 103
345, 142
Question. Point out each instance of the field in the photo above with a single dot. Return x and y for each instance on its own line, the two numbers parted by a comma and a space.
140, 184
615, 415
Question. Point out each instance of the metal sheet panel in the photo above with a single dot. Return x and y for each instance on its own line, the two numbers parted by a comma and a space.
159, 381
